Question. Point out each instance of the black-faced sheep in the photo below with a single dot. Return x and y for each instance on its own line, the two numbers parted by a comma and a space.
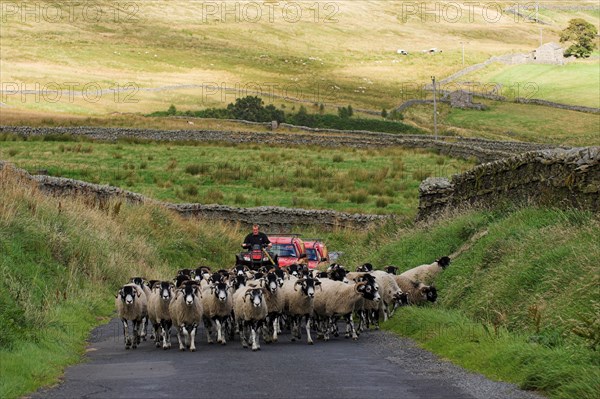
217, 303
186, 313
132, 305
158, 312
250, 312
427, 273
299, 303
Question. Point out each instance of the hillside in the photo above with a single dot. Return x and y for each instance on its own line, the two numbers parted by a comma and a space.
146, 55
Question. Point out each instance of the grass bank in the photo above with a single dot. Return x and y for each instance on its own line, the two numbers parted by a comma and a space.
521, 305
62, 262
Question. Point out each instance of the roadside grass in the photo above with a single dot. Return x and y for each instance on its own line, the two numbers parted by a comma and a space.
62, 263
352, 180
517, 304
511, 121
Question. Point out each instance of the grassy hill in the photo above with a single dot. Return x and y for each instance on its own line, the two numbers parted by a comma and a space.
515, 306
334, 52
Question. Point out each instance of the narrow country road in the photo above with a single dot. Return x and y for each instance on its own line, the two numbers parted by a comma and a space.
379, 365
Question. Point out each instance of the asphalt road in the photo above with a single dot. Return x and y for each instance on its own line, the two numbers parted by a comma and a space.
379, 365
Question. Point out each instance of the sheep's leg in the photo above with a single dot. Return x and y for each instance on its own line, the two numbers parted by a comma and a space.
309, 339
385, 312
275, 328
143, 327
164, 334
220, 336
376, 319
350, 324
242, 329
136, 334
193, 338
278, 324
179, 331
126, 333
156, 327
208, 326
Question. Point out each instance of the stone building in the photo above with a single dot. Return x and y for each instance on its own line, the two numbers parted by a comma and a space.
549, 53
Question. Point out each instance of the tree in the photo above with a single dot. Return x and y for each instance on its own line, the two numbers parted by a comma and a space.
582, 35
172, 110
384, 113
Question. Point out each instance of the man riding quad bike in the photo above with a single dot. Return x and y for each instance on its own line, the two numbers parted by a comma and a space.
257, 257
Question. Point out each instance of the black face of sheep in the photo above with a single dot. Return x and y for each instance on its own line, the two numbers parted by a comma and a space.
190, 291
179, 280
401, 298
256, 296
368, 291
365, 267
187, 272
307, 285
219, 290
240, 269
431, 293
138, 280
272, 282
165, 288
239, 281
391, 269
128, 294
338, 274
444, 262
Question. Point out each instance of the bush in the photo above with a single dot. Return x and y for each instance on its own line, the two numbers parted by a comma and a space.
359, 197
196, 169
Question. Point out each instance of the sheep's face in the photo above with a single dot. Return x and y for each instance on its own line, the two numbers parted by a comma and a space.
137, 281
273, 282
220, 291
308, 286
128, 295
189, 293
370, 292
165, 290
256, 297
430, 293
400, 298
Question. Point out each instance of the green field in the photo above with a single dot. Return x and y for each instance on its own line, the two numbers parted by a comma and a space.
510, 121
351, 180
576, 83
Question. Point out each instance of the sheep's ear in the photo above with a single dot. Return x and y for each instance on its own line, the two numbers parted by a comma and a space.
139, 293
119, 293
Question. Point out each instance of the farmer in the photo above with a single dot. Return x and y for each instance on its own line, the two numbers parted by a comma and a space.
256, 238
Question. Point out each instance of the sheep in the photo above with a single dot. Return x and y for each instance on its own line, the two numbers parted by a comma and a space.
186, 313
250, 312
299, 303
418, 293
275, 306
391, 295
180, 279
158, 312
365, 267
217, 305
141, 282
338, 299
131, 304
427, 273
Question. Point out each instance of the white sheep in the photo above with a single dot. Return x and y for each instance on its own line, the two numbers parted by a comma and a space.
338, 299
275, 301
132, 305
427, 273
186, 313
217, 304
391, 295
299, 303
158, 312
250, 312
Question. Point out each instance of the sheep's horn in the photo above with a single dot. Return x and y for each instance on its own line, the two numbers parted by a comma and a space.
359, 285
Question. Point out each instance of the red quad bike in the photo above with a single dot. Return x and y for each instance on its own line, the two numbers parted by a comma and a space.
256, 258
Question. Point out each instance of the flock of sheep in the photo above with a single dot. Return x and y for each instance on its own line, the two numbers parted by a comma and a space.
267, 301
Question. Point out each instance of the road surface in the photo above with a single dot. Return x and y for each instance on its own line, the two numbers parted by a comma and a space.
379, 365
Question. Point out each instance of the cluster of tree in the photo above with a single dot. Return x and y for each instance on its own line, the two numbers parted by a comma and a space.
582, 35
252, 108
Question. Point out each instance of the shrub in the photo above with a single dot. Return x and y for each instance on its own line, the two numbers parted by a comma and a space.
196, 169
338, 158
359, 197
382, 202
213, 196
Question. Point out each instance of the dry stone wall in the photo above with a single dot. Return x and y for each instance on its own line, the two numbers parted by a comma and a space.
559, 177
274, 219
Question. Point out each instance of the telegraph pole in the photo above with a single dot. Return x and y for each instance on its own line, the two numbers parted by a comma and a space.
434, 110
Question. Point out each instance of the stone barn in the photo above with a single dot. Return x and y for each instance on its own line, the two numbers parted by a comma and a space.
549, 53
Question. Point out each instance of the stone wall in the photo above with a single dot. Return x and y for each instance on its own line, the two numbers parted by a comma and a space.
559, 177
478, 149
274, 219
